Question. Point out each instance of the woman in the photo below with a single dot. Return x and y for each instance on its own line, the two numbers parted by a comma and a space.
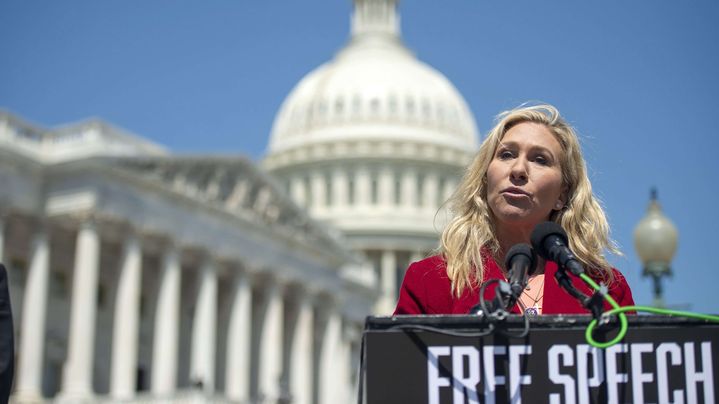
528, 170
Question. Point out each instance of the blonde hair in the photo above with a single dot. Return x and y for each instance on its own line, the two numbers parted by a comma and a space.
472, 228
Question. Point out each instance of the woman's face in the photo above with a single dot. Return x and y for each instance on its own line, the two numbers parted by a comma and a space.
524, 179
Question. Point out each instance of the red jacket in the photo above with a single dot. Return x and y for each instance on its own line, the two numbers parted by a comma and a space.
426, 289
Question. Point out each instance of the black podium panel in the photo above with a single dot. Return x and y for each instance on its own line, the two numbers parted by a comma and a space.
660, 360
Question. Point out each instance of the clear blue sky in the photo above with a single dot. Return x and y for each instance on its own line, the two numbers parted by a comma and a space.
639, 79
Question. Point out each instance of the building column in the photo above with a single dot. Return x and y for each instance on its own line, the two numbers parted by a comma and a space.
431, 191
342, 362
77, 375
298, 190
239, 338
331, 389
385, 187
126, 328
363, 187
28, 384
167, 325
388, 279
202, 368
270, 345
318, 190
340, 188
301, 352
409, 188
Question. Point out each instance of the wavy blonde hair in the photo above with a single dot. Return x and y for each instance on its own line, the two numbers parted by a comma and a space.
472, 230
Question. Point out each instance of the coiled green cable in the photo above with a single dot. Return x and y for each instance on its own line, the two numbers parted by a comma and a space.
624, 325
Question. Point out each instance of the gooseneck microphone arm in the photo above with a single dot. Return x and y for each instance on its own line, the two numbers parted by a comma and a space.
550, 241
520, 262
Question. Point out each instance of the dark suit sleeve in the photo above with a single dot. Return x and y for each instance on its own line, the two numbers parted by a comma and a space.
7, 344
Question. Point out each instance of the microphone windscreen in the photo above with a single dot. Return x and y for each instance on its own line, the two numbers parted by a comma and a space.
518, 249
544, 230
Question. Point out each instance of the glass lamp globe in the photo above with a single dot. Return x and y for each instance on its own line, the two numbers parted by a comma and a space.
655, 239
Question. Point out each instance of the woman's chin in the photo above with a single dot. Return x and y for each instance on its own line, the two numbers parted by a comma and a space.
520, 218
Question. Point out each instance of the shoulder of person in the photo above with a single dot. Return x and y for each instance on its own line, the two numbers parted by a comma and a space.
434, 266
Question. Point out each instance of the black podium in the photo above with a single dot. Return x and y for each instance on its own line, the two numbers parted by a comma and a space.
449, 359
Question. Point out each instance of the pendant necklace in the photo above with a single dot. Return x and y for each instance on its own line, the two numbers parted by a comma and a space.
533, 311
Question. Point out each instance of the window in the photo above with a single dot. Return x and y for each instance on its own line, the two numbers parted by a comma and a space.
397, 189
440, 191
351, 189
308, 192
420, 190
328, 190
374, 106
374, 191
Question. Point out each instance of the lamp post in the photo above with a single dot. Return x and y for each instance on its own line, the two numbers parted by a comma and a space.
655, 239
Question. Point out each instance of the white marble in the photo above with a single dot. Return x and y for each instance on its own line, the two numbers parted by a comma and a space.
28, 382
408, 188
331, 366
270, 339
167, 324
126, 328
78, 370
237, 371
202, 368
301, 352
388, 268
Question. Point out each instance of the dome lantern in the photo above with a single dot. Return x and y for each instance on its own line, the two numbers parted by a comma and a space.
375, 17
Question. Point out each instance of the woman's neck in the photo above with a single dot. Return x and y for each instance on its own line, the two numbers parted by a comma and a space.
509, 236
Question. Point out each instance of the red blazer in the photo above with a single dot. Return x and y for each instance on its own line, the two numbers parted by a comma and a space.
426, 289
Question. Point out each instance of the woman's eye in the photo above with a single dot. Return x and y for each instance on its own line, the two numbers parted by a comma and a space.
504, 155
541, 160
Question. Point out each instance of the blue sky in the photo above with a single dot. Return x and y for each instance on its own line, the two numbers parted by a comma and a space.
639, 80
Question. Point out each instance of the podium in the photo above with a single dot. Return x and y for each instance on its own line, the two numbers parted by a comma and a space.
461, 359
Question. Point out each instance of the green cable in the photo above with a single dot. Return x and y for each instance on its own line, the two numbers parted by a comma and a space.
623, 318
624, 324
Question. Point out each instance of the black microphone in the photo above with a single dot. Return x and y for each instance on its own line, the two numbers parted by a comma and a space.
550, 242
520, 262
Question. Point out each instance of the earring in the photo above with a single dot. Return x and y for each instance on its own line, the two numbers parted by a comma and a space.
559, 205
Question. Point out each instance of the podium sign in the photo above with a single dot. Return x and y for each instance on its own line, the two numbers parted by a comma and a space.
660, 360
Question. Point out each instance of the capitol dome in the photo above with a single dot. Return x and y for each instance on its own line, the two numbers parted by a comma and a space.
373, 143
374, 89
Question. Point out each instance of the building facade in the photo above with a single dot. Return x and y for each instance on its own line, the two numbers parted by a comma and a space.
141, 276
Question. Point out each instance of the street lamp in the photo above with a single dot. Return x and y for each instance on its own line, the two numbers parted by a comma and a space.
655, 239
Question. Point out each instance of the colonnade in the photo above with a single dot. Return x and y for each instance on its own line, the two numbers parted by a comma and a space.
279, 369
367, 185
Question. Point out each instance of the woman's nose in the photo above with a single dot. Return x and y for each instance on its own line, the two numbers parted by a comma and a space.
519, 169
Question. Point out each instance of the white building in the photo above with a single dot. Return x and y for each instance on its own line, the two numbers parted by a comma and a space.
135, 270
373, 142
140, 276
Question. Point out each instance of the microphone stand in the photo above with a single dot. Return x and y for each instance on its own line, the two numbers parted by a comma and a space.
503, 300
594, 303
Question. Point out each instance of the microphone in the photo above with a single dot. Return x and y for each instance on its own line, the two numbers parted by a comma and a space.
550, 242
520, 263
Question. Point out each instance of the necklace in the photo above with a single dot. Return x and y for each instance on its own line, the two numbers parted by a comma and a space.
531, 304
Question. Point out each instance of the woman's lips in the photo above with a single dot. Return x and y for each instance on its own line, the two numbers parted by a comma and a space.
516, 192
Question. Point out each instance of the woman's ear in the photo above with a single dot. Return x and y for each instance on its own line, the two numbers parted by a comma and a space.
562, 201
